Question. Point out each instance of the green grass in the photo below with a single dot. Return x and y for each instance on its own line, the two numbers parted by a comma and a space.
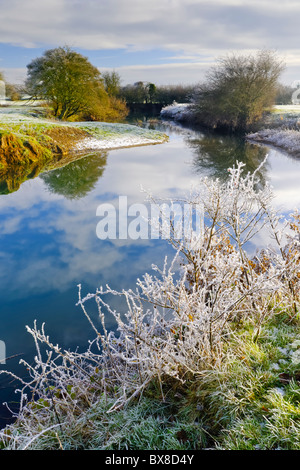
36, 141
251, 402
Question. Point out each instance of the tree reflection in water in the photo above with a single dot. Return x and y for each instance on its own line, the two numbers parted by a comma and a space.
12, 178
72, 176
78, 178
215, 153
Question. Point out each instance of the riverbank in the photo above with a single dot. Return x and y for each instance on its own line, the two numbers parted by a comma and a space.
285, 139
74, 136
31, 143
279, 128
221, 369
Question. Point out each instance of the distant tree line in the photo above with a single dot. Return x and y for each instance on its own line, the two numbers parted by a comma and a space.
75, 89
142, 92
284, 94
236, 93
145, 92
12, 92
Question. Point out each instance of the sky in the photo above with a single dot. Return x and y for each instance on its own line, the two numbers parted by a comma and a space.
160, 41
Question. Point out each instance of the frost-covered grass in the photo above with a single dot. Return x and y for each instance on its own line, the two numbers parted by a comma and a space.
286, 109
107, 135
99, 135
280, 128
286, 139
30, 142
250, 403
206, 353
24, 124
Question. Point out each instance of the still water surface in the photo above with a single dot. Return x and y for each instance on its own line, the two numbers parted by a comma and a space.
48, 242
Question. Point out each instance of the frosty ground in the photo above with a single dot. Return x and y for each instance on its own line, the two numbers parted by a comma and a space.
279, 128
99, 136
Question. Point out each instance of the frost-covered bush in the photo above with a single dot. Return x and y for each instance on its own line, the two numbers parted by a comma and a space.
179, 321
177, 112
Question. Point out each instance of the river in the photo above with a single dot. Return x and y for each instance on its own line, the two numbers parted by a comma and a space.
48, 234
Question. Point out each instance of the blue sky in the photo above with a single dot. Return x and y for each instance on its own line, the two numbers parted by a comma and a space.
163, 41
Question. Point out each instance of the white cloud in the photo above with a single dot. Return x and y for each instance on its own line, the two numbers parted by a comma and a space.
79, 254
191, 29
171, 24
163, 74
14, 75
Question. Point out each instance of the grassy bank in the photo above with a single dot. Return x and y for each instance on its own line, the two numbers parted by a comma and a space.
250, 402
280, 129
31, 144
206, 355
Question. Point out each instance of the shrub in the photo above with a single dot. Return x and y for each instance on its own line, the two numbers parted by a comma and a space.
238, 90
198, 334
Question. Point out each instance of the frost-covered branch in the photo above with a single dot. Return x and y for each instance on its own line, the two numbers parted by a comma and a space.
179, 319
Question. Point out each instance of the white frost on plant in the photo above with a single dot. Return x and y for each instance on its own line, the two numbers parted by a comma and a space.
275, 366
102, 135
287, 139
91, 143
295, 357
178, 321
177, 112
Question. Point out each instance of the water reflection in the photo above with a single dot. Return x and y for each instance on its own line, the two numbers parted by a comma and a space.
214, 153
72, 175
13, 177
78, 178
48, 241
